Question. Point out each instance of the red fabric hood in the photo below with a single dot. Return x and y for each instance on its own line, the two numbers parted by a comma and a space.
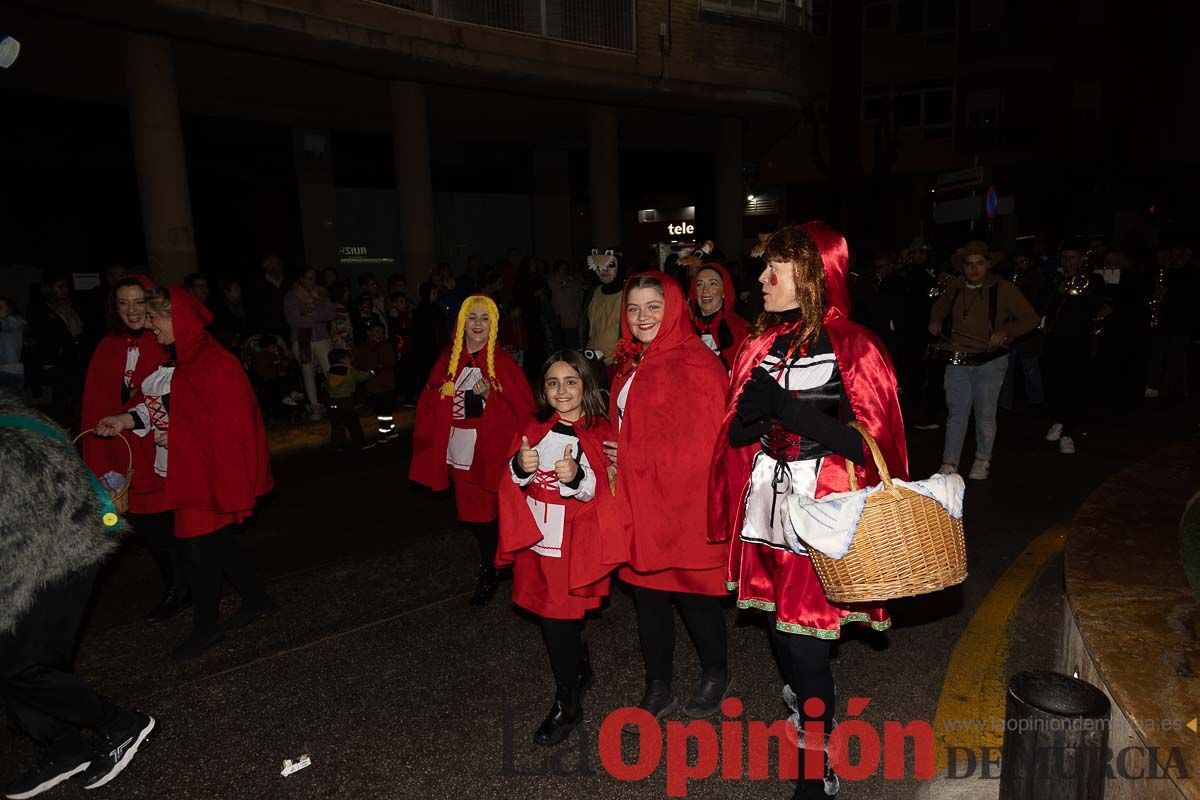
730, 296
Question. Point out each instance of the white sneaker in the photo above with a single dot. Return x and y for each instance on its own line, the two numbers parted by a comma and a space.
1151, 393
1066, 446
979, 470
1055, 432
948, 469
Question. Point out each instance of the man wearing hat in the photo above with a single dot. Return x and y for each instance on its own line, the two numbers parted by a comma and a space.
977, 318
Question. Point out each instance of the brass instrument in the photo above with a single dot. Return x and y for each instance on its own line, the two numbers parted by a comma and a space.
1160, 286
939, 288
1077, 284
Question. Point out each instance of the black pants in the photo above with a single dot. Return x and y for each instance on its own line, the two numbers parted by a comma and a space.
804, 662
44, 698
487, 536
384, 406
343, 420
210, 558
1068, 380
156, 532
567, 651
705, 623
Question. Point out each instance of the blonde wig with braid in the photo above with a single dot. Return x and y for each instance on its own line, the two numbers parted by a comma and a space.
460, 332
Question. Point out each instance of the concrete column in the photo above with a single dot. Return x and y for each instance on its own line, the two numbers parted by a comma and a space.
318, 198
603, 163
731, 196
158, 153
410, 136
552, 204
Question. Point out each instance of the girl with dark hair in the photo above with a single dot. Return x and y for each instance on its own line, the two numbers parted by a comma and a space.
198, 406
712, 298
805, 372
123, 360
551, 529
475, 402
666, 404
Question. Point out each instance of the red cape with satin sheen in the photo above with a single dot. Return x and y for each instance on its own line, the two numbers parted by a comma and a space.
870, 385
590, 555
217, 444
102, 398
664, 446
738, 327
505, 413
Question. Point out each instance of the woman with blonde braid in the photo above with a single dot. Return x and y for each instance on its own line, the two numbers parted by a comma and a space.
471, 409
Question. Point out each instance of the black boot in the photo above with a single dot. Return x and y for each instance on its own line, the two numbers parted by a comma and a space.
817, 788
714, 687
564, 716
485, 586
584, 671
173, 601
658, 699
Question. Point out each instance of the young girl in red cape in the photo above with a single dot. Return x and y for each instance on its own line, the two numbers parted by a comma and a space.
553, 512
667, 403
472, 407
804, 374
124, 358
712, 297
199, 408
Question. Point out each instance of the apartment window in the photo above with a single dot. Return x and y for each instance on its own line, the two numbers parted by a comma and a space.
926, 16
985, 108
782, 11
928, 105
875, 102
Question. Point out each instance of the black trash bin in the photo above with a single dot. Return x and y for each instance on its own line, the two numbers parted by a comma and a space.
1055, 739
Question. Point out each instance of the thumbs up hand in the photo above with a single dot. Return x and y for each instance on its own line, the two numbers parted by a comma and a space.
567, 468
527, 457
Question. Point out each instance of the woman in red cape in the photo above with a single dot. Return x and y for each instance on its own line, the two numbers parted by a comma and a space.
125, 357
555, 505
474, 403
712, 297
199, 408
804, 374
667, 403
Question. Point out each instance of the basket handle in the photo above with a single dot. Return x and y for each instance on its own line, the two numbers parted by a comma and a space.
128, 448
880, 464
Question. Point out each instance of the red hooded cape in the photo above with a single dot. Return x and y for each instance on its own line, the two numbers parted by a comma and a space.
738, 327
505, 413
102, 398
672, 417
591, 556
870, 385
219, 463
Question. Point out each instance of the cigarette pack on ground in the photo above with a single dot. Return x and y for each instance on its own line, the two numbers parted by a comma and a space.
290, 766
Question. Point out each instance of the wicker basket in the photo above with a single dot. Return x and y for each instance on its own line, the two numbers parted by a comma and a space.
905, 544
120, 500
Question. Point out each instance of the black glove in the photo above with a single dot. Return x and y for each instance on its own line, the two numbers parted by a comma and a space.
762, 397
741, 434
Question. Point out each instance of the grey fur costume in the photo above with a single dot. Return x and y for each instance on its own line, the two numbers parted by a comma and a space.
50, 516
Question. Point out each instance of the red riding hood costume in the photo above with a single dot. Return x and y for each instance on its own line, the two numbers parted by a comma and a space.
667, 408
114, 375
465, 438
553, 533
746, 479
217, 463
725, 330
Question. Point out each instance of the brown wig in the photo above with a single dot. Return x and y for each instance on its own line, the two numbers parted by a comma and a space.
593, 402
791, 245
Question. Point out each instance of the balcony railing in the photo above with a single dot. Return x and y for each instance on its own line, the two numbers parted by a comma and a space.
599, 23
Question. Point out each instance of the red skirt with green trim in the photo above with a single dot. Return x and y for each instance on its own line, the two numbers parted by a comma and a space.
786, 583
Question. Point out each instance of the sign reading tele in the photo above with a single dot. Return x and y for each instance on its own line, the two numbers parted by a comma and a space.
677, 229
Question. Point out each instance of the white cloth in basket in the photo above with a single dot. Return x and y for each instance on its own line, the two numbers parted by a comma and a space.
828, 524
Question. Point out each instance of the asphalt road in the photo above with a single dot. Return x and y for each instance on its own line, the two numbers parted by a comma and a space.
377, 668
